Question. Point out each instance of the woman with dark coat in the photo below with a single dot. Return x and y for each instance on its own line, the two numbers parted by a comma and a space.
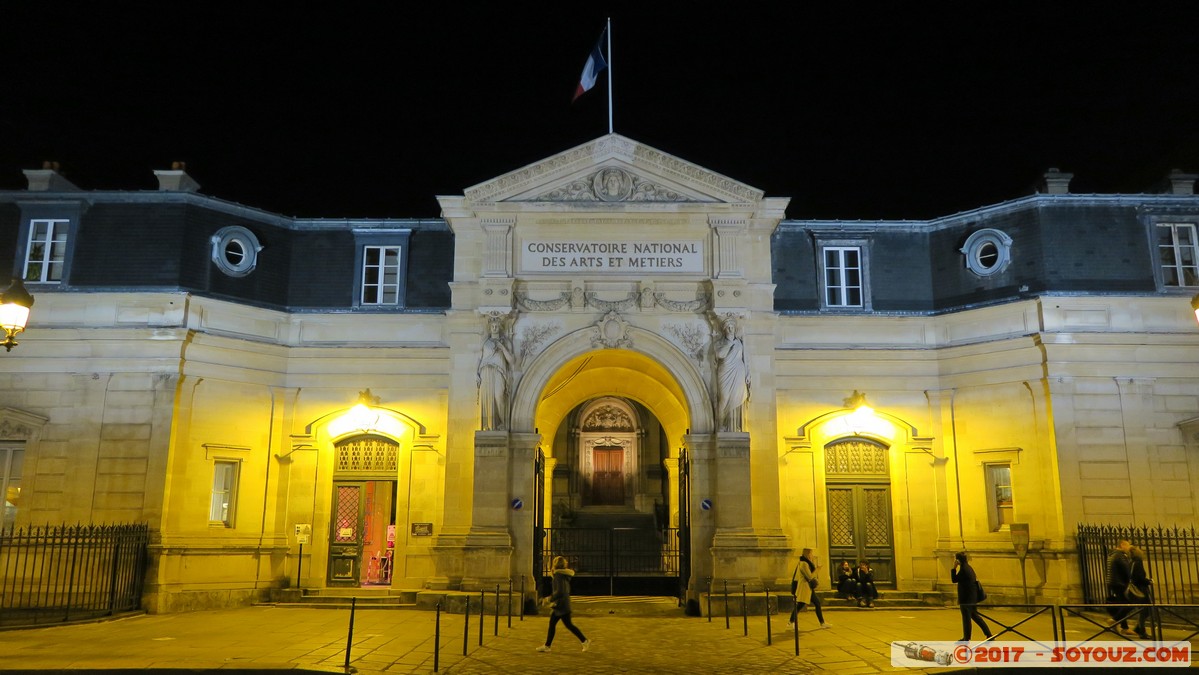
560, 602
963, 575
847, 586
864, 576
1141, 581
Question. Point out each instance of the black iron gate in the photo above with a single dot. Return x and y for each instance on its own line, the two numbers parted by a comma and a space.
1171, 559
684, 531
539, 533
617, 560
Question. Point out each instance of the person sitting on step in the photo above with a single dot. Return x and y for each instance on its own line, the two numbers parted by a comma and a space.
864, 576
847, 586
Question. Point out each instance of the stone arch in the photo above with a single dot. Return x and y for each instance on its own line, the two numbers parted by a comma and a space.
687, 378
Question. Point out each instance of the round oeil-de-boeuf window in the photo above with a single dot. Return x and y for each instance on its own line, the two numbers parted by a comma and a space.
987, 252
235, 250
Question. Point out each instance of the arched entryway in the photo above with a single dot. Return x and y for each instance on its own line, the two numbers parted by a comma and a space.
612, 424
862, 468
362, 528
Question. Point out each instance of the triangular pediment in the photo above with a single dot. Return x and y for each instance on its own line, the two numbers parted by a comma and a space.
612, 170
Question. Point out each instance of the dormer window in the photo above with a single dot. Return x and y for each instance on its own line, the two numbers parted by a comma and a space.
987, 252
45, 256
235, 250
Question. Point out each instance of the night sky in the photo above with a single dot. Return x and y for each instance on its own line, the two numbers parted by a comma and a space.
909, 111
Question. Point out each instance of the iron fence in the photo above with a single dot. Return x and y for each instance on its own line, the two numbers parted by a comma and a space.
1171, 560
614, 553
53, 574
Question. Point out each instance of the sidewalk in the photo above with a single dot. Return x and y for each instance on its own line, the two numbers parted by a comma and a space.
401, 641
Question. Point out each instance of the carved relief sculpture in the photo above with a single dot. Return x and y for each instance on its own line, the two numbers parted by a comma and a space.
611, 331
732, 376
494, 375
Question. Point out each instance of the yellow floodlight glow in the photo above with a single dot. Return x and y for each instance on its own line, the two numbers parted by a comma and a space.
14, 312
861, 420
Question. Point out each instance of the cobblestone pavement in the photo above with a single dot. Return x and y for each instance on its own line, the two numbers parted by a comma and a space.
401, 641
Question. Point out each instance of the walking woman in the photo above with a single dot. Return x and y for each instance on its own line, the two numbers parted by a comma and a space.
560, 602
963, 575
804, 581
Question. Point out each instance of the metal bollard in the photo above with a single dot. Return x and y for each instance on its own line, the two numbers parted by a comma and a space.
436, 637
709, 599
509, 603
497, 610
744, 611
482, 609
726, 604
522, 599
769, 637
350, 637
466, 625
795, 630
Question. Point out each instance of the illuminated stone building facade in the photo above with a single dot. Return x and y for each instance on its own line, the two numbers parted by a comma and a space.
609, 338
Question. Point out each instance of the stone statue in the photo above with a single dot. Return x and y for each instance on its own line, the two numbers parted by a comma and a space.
495, 371
732, 376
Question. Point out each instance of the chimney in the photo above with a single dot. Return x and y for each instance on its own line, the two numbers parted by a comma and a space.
176, 179
1056, 182
1182, 183
48, 179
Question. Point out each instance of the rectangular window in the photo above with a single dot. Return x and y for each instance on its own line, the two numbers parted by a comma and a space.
842, 276
223, 506
11, 457
381, 280
999, 494
45, 257
1179, 251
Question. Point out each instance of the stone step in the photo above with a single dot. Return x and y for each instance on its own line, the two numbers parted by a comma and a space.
340, 598
757, 603
456, 602
623, 605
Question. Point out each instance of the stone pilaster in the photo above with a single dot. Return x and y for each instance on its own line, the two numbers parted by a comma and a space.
521, 476
741, 553
701, 478
672, 495
487, 548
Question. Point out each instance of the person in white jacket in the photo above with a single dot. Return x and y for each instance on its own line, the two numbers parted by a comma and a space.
804, 581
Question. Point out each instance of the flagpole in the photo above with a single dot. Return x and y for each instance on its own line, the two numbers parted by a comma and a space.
609, 74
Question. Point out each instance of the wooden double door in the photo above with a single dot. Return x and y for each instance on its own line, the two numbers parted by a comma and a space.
858, 491
607, 476
362, 532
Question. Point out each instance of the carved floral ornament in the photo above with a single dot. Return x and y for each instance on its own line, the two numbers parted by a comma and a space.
608, 418
646, 299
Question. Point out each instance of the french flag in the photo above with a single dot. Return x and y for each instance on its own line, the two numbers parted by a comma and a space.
594, 66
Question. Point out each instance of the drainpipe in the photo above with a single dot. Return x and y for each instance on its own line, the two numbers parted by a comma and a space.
266, 488
957, 467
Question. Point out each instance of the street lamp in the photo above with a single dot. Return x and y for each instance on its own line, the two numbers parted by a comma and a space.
363, 416
15, 302
1195, 305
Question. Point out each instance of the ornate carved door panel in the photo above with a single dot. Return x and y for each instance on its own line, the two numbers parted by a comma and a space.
859, 507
